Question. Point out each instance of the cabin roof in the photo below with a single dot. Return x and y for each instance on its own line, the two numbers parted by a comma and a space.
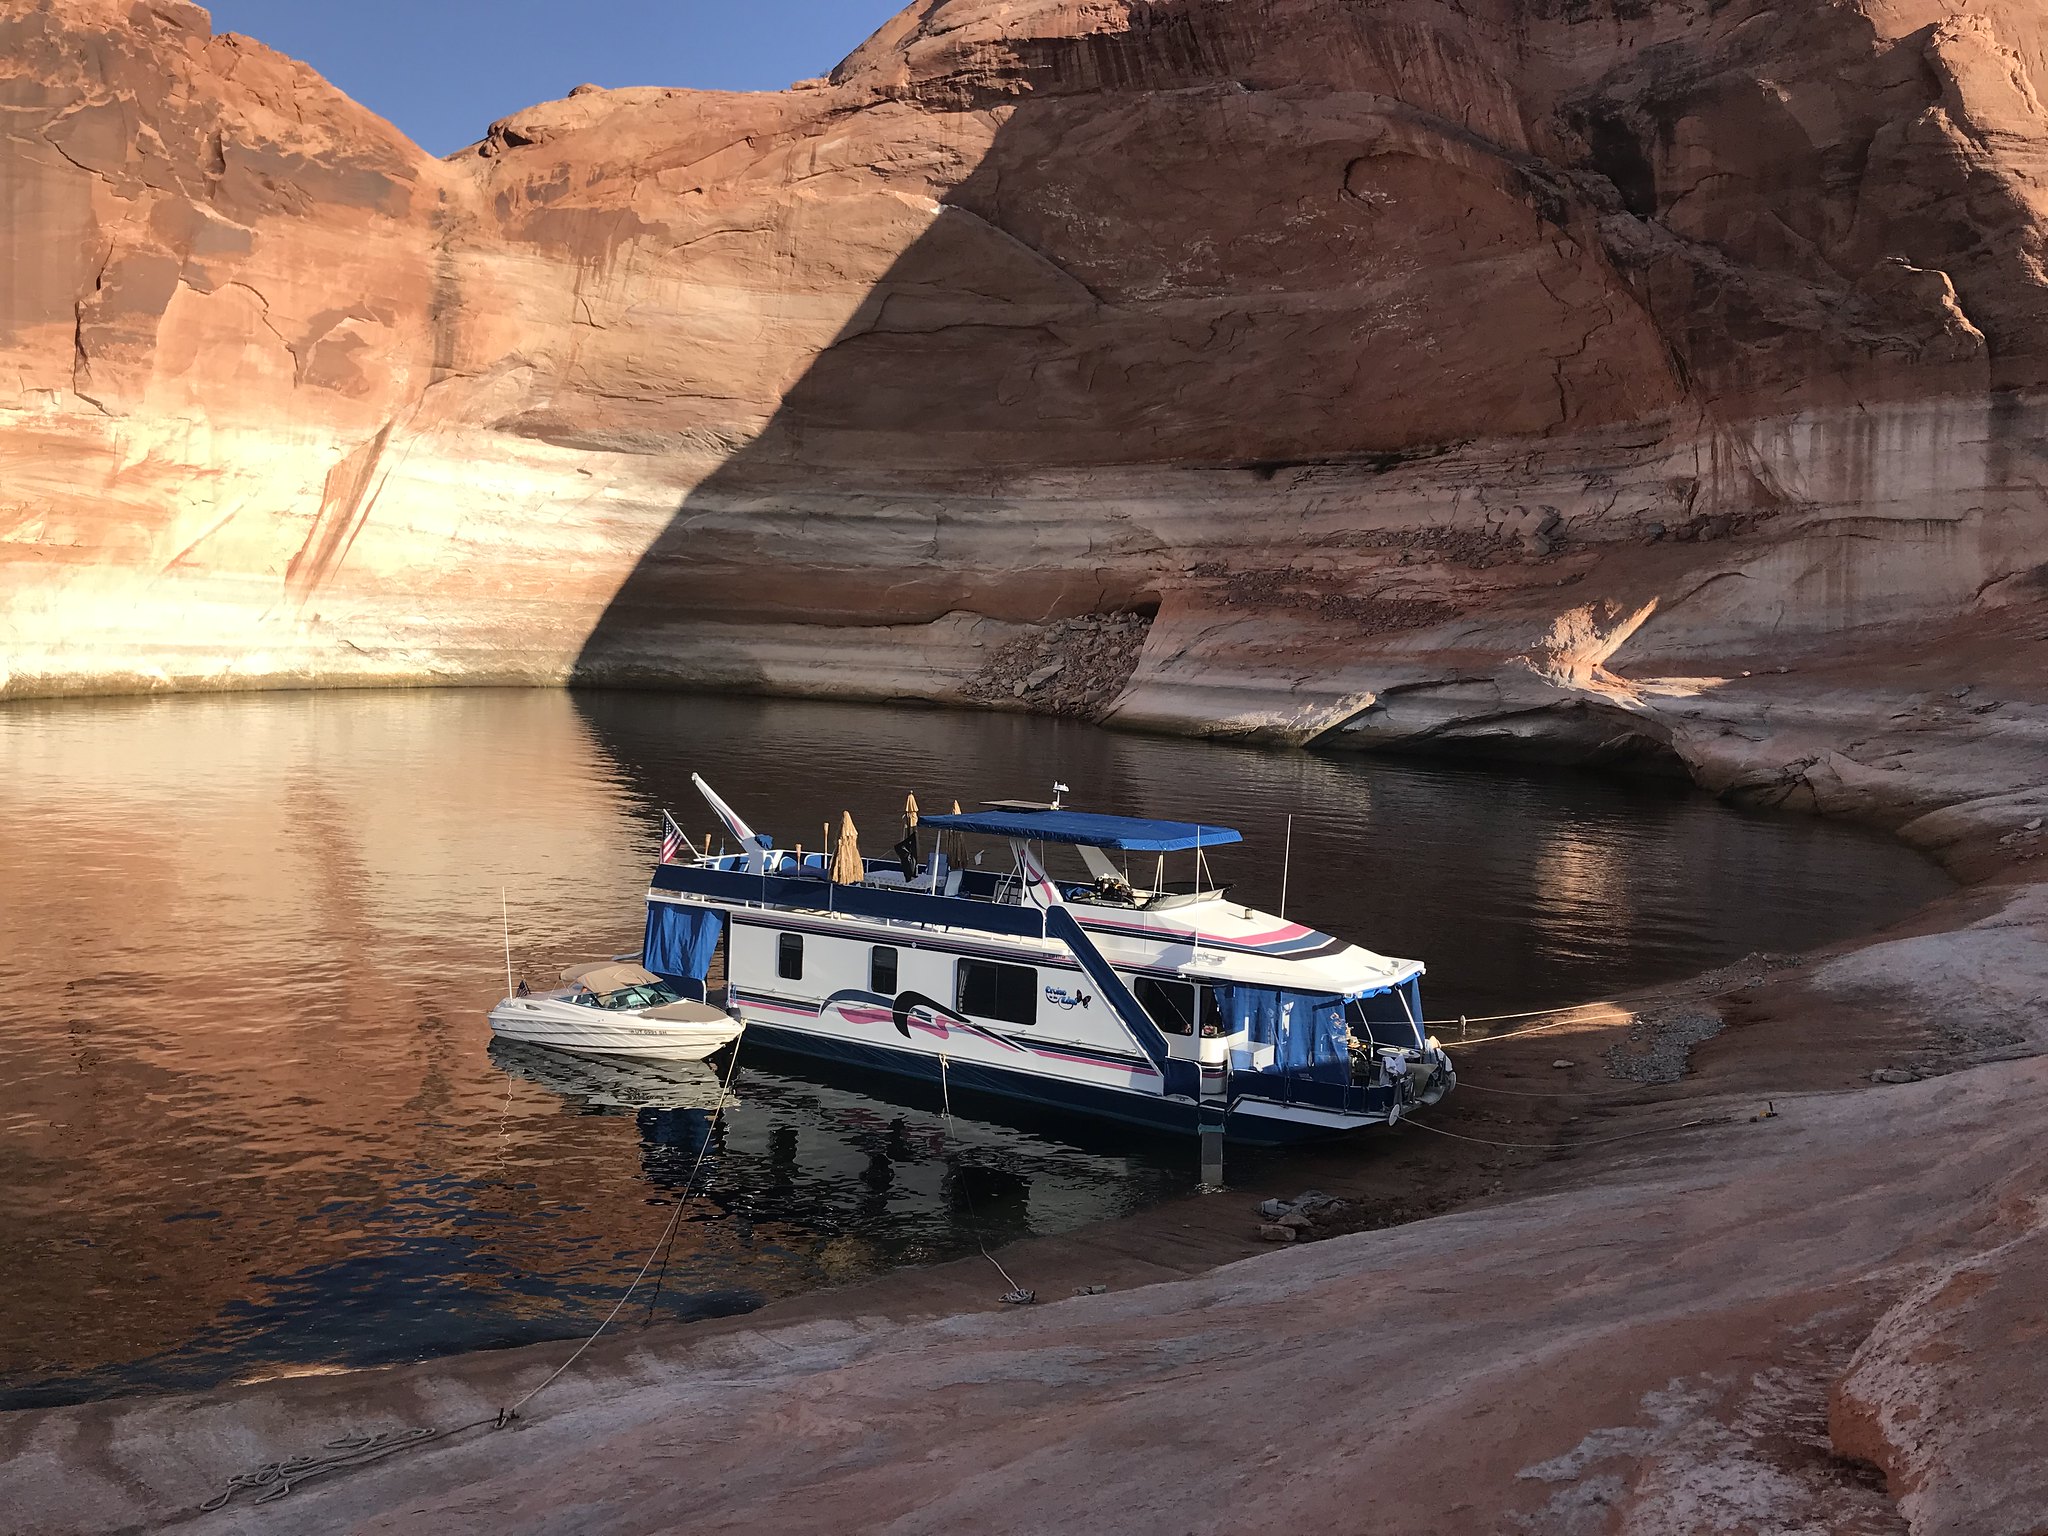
1137, 834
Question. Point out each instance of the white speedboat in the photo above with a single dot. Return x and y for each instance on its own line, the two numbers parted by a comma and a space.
615, 1009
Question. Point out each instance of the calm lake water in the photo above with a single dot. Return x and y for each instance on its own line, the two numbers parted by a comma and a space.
252, 1121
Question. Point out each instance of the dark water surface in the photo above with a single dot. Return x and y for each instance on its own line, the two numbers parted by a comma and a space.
251, 1118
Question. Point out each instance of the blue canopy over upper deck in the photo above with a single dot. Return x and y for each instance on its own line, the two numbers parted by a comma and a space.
1136, 834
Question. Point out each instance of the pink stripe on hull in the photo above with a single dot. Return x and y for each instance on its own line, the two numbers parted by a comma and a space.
863, 1015
972, 1031
1090, 1061
762, 1002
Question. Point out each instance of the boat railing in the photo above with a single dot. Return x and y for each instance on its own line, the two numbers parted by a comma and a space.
1295, 1088
889, 903
882, 875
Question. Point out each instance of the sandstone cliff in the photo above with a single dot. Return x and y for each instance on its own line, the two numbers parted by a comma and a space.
1394, 355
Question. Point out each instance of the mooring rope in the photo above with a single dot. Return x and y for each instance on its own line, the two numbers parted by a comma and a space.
506, 1416
1568, 1146
1017, 1296
278, 1478
1526, 1093
1510, 1034
690, 1180
1530, 1013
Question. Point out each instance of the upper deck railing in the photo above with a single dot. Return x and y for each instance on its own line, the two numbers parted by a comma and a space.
810, 892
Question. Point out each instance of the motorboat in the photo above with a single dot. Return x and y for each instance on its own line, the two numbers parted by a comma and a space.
1107, 989
616, 1008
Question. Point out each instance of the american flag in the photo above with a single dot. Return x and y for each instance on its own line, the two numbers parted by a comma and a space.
671, 839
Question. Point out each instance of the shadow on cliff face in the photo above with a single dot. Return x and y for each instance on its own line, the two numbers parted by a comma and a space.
1171, 256
1221, 246
870, 502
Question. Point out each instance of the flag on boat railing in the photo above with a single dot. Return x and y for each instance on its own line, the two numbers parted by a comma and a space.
672, 839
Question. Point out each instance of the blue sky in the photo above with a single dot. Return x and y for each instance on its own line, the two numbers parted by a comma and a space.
443, 70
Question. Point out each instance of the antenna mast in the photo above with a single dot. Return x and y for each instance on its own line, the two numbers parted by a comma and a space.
1286, 859
505, 916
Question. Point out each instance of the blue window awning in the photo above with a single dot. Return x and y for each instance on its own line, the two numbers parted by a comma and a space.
1137, 834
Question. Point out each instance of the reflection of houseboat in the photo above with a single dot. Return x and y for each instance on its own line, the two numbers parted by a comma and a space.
879, 1175
1107, 991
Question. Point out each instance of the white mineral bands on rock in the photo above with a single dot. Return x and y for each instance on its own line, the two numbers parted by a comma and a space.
1363, 350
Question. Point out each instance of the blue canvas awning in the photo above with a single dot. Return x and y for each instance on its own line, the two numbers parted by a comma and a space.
1307, 1032
680, 942
1137, 834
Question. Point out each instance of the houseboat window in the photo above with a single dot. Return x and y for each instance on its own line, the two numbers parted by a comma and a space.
882, 970
991, 991
1171, 1003
1175, 1005
789, 957
1383, 1018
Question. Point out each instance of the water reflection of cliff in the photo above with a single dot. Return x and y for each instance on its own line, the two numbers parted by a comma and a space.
249, 940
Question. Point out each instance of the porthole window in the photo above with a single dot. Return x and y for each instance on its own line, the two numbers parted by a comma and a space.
789, 957
882, 970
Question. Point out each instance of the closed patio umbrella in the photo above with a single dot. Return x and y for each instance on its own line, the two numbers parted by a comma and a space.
847, 868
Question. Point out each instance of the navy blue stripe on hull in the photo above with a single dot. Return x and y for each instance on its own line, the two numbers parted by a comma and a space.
1150, 1110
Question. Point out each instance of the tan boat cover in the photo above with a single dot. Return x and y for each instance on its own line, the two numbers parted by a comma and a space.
689, 1013
608, 976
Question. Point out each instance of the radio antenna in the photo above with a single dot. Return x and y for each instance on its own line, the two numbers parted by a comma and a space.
1286, 859
505, 916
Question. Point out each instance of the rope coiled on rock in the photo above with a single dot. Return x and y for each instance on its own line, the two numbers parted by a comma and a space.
278, 1478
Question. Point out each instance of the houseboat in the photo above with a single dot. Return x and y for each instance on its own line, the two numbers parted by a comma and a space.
1103, 987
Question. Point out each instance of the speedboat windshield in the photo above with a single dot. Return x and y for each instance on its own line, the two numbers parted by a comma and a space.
629, 998
642, 997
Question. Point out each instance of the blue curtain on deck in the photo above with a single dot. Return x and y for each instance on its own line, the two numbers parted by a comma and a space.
681, 941
1308, 1031
1390, 1022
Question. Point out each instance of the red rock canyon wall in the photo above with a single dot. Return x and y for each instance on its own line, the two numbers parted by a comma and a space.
1432, 371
